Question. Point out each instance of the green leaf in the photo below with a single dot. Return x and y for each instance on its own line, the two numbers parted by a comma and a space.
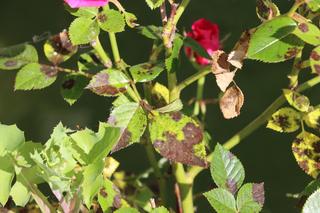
250, 198
109, 196
11, 138
132, 120
312, 118
146, 72
130, 19
151, 32
285, 120
178, 138
153, 4
306, 150
15, 57
88, 12
72, 87
35, 76
110, 82
20, 194
312, 205
298, 101
111, 21
315, 60
108, 137
6, 178
85, 139
90, 62
267, 10
92, 181
310, 188
314, 5
160, 209
226, 170
172, 61
160, 94
308, 32
221, 200
174, 106
273, 41
127, 210
83, 30
142, 198
58, 48
196, 47
22, 156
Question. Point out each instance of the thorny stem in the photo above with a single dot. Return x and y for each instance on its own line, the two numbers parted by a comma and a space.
255, 124
200, 88
101, 53
115, 49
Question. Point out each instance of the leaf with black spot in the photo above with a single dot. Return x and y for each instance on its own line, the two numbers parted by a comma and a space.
110, 82
178, 138
315, 60
90, 62
59, 48
111, 21
83, 30
35, 76
226, 169
308, 32
285, 120
274, 42
146, 72
72, 87
109, 196
15, 57
298, 101
312, 118
306, 150
132, 121
250, 197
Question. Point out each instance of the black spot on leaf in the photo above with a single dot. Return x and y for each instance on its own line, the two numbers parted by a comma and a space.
68, 84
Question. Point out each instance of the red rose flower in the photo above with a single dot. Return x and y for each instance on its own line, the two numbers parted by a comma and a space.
206, 34
86, 3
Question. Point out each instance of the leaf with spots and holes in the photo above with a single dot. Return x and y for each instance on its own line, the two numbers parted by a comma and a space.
178, 138
221, 200
59, 48
153, 4
231, 102
109, 196
35, 76
306, 150
312, 205
312, 118
72, 87
273, 42
83, 30
111, 21
226, 169
250, 198
314, 5
266, 10
110, 82
146, 72
298, 101
308, 32
130, 19
132, 120
315, 60
15, 57
285, 120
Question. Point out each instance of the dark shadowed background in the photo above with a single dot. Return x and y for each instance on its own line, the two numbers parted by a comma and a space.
266, 155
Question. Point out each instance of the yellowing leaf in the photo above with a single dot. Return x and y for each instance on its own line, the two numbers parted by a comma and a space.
306, 150
312, 119
298, 101
285, 120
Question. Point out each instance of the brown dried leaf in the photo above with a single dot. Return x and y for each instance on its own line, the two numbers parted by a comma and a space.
224, 80
239, 52
232, 102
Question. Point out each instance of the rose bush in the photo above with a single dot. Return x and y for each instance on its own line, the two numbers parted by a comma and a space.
86, 3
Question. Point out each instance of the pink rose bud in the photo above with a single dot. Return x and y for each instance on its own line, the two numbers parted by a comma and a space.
86, 3
206, 34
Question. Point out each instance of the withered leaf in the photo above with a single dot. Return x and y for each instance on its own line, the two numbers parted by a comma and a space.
232, 102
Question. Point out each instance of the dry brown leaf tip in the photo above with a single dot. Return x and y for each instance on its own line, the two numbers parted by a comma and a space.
232, 102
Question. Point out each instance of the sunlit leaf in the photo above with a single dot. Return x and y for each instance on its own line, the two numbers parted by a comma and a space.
89, 12
312, 205
221, 200
127, 210
298, 101
314, 5
6, 178
250, 198
160, 209
109, 196
153, 4
131, 19
308, 32
312, 118
83, 30
315, 60
146, 72
20, 194
285, 120
111, 21
11, 138
160, 94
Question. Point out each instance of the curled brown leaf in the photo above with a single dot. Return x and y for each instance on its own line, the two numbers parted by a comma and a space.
232, 102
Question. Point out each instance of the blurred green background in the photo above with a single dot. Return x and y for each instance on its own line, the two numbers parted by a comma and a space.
266, 155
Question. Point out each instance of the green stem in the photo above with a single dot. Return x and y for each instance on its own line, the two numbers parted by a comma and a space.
102, 54
180, 11
185, 186
70, 71
200, 88
157, 172
294, 8
294, 75
255, 124
115, 48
